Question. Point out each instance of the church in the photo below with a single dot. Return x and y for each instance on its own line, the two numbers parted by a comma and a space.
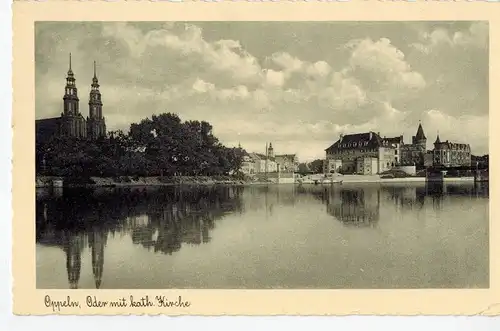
71, 123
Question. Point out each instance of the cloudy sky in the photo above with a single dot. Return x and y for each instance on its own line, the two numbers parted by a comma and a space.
295, 84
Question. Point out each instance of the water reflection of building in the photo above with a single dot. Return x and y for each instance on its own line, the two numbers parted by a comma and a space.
355, 206
97, 242
73, 245
161, 219
174, 224
406, 197
183, 216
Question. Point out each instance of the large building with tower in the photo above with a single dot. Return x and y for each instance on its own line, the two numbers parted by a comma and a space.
369, 153
71, 122
450, 154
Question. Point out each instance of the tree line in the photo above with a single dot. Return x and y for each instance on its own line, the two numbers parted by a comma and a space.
162, 145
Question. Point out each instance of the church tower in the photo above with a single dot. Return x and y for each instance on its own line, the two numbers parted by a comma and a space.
96, 125
270, 151
73, 123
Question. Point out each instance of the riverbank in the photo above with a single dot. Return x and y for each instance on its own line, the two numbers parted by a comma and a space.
130, 181
127, 181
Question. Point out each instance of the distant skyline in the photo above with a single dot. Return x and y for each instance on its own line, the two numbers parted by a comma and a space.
298, 85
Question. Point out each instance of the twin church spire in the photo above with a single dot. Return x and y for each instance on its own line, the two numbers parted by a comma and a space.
74, 124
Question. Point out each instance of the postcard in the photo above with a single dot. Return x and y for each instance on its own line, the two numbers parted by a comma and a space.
240, 158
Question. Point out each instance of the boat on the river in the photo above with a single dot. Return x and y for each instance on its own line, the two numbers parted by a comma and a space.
318, 180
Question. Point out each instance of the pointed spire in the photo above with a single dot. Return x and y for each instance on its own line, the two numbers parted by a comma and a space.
420, 132
438, 141
70, 71
95, 81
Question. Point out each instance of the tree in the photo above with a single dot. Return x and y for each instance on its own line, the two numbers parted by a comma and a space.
316, 166
162, 145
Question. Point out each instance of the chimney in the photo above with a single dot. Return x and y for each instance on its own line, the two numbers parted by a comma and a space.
341, 136
371, 135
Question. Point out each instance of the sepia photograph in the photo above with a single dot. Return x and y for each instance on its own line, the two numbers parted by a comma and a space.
262, 154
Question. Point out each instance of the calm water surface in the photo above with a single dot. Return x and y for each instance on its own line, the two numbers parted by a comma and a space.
347, 236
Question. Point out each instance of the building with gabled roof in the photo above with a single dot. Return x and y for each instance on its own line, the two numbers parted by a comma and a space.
360, 153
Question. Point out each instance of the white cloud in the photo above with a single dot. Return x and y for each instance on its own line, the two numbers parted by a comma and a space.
287, 62
320, 68
275, 78
382, 66
342, 95
201, 86
477, 35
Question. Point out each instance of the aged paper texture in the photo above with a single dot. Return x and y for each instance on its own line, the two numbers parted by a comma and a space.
255, 158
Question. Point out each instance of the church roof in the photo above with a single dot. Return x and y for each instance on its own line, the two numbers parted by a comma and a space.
420, 133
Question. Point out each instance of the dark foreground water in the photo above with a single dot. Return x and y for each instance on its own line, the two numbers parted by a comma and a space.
348, 236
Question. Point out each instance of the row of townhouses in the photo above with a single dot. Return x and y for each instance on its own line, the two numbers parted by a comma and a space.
254, 163
370, 153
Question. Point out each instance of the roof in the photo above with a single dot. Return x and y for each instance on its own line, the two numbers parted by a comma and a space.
438, 141
394, 140
285, 156
258, 156
46, 128
368, 139
254, 156
451, 145
420, 133
48, 120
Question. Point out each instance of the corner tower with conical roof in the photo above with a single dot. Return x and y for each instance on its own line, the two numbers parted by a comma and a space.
96, 125
419, 139
438, 141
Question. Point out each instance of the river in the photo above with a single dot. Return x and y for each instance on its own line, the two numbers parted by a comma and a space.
283, 236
